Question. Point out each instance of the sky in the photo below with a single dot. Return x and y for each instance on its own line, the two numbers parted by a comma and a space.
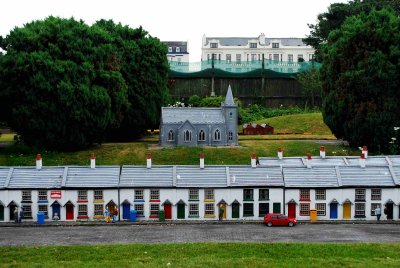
178, 20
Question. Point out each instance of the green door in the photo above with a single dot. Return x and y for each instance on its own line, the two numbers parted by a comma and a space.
1, 213
181, 211
277, 208
235, 210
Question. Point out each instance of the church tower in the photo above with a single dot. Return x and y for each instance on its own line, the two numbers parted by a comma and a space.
230, 110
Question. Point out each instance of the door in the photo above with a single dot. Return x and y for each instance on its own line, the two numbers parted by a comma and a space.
333, 210
12, 208
126, 210
224, 208
390, 211
168, 211
235, 211
1, 213
181, 211
69, 211
346, 211
292, 210
56, 209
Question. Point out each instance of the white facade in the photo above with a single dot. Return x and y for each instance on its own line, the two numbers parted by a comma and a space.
177, 51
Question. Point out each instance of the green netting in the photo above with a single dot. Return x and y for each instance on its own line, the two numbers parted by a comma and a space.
228, 69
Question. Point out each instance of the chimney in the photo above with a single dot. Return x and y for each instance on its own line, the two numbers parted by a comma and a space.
201, 160
253, 160
38, 161
365, 151
362, 160
280, 153
322, 152
148, 160
308, 161
92, 160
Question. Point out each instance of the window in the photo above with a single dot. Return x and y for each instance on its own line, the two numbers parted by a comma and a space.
139, 210
98, 195
373, 207
209, 194
27, 212
217, 135
187, 136
178, 49
253, 57
300, 57
238, 58
248, 194
202, 135
230, 115
213, 45
26, 196
360, 210
209, 209
304, 209
194, 210
230, 135
214, 56
43, 208
263, 209
82, 195
248, 210
139, 195
193, 194
228, 57
290, 58
82, 210
275, 45
376, 194
154, 209
154, 195
320, 194
321, 209
276, 57
98, 210
253, 45
171, 136
311, 57
360, 195
170, 49
263, 194
304, 194
42, 195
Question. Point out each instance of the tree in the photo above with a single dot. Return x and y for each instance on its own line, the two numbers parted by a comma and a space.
361, 78
337, 14
311, 83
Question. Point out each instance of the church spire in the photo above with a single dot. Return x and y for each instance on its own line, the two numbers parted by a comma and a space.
229, 97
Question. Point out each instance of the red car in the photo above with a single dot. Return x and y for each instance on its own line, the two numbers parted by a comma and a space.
272, 219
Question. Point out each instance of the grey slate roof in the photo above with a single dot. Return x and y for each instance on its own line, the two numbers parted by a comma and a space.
229, 97
329, 161
243, 41
3, 176
30, 177
371, 160
193, 115
193, 176
286, 161
396, 174
310, 177
139, 176
261, 176
395, 160
364, 177
86, 177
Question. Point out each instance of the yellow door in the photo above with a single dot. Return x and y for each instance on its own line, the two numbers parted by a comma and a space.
346, 211
224, 207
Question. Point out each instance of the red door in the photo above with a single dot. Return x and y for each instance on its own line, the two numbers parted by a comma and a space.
168, 211
292, 210
70, 212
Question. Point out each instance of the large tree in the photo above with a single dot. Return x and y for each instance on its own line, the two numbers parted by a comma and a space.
63, 84
337, 14
361, 79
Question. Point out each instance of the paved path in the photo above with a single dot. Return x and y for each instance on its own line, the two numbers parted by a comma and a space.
170, 233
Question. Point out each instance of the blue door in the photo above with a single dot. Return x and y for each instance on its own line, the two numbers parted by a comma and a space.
126, 207
56, 208
333, 210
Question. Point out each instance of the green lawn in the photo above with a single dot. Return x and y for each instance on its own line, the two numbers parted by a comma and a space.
7, 137
206, 255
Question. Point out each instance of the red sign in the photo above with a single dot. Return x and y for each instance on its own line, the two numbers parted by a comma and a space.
55, 194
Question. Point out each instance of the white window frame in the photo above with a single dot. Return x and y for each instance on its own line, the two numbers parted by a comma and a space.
267, 194
193, 194
139, 207
238, 58
275, 45
98, 195
228, 57
82, 210
376, 194
209, 194
42, 195
209, 209
320, 194
27, 211
360, 194
230, 136
154, 194
139, 193
187, 135
169, 49
81, 194
373, 207
321, 209
26, 196
98, 209
213, 45
44, 209
304, 209
193, 210
359, 209
178, 49
300, 56
154, 209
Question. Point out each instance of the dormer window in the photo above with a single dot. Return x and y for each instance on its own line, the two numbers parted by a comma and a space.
178, 49
253, 45
213, 45
170, 49
275, 45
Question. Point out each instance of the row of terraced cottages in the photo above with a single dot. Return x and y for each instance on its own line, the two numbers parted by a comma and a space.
339, 188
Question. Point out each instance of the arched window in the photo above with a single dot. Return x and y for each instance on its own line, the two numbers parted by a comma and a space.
230, 115
217, 135
202, 135
187, 136
171, 136
230, 135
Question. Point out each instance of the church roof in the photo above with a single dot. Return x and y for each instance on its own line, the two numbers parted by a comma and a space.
229, 97
194, 115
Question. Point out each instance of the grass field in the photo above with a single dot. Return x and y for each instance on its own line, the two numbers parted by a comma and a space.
206, 255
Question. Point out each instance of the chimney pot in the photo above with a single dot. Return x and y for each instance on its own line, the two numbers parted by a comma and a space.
201, 160
322, 152
365, 151
280, 153
148, 157
308, 161
38, 161
362, 160
92, 160
253, 160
